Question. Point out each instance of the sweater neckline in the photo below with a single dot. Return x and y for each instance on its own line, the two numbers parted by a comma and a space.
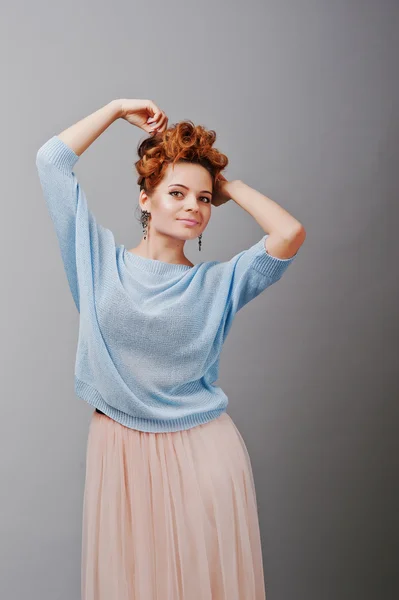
154, 265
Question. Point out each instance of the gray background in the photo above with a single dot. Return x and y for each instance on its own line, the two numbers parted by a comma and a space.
304, 99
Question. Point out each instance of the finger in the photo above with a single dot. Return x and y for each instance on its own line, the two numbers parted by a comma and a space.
155, 110
153, 129
153, 122
161, 125
165, 124
153, 119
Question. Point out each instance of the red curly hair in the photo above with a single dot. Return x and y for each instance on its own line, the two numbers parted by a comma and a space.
184, 142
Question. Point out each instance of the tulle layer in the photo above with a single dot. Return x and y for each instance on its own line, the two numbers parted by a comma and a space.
170, 516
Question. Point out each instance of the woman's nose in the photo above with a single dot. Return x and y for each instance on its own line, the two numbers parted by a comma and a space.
192, 202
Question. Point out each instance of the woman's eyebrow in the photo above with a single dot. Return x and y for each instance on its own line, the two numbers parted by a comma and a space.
181, 185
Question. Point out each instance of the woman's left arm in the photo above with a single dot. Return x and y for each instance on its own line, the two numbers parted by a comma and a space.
286, 234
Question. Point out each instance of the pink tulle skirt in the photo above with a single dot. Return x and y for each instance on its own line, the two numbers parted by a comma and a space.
170, 516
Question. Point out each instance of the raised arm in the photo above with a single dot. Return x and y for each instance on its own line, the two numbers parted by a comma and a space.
75, 225
81, 239
285, 234
253, 270
83, 133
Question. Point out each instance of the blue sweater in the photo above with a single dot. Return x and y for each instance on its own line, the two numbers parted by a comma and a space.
150, 332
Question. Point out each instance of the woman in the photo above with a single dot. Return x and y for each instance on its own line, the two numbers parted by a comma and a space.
169, 503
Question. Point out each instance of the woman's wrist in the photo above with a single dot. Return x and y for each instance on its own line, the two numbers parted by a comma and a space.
232, 187
117, 105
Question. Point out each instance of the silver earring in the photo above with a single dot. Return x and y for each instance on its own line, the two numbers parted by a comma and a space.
145, 216
200, 241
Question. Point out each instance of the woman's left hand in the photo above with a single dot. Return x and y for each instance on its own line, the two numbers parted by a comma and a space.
221, 193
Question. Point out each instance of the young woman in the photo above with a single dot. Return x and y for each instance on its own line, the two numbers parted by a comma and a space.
169, 502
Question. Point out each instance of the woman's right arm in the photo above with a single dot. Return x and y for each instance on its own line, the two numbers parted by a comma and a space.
75, 225
83, 133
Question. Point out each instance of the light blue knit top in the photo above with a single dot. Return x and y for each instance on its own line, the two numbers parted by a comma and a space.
150, 332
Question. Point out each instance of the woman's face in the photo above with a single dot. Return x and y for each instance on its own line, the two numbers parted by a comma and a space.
184, 193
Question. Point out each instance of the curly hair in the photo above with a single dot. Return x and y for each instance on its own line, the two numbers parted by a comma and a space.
183, 142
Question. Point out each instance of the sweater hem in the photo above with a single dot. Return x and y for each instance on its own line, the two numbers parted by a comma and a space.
271, 266
86, 392
58, 153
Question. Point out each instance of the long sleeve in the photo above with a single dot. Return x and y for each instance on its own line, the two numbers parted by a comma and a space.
252, 271
67, 205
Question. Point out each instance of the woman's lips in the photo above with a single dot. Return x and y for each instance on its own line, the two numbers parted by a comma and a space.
188, 222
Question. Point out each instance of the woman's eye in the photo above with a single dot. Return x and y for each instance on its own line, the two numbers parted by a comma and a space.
178, 192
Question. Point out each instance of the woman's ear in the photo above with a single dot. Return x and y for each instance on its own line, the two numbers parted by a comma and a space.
144, 200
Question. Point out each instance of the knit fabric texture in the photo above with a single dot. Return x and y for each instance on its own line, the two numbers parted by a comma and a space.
150, 332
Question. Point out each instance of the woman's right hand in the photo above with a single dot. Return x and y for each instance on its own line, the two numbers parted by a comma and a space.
145, 114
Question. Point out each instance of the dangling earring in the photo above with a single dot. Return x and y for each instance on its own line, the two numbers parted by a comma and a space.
199, 241
145, 215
